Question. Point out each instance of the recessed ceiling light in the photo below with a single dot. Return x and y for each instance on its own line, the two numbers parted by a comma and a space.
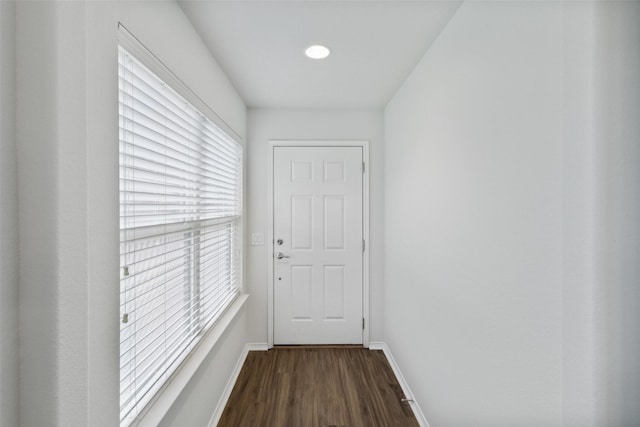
317, 51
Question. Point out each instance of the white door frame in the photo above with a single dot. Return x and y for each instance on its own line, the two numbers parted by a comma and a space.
365, 225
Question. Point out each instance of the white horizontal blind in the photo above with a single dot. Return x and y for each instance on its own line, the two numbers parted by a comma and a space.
180, 217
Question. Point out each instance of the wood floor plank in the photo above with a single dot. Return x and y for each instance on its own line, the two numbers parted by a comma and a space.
317, 387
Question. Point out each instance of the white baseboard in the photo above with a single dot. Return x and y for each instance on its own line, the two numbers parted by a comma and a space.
376, 345
258, 346
215, 418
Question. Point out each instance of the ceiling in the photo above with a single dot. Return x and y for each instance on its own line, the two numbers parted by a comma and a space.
374, 46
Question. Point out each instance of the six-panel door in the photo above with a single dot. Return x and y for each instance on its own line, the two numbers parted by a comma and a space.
318, 249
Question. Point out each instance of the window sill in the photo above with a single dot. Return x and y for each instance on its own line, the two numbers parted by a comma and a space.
160, 405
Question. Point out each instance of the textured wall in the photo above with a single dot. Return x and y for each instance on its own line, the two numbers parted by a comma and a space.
68, 170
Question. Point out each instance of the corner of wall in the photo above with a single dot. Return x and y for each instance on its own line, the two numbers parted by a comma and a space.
51, 136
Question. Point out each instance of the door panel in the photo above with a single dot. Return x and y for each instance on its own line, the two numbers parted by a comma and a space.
318, 211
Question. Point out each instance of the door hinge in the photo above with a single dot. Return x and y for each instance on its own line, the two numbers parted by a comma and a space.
363, 168
363, 323
363, 245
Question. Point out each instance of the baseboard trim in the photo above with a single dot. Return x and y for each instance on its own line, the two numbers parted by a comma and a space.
258, 346
217, 414
378, 345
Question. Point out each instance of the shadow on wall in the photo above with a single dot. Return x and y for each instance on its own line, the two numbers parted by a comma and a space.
617, 101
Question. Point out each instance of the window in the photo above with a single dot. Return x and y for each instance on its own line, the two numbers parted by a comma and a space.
180, 228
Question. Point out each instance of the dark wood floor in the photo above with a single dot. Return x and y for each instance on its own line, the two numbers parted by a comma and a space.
317, 387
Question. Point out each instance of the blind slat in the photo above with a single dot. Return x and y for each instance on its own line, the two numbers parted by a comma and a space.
214, 256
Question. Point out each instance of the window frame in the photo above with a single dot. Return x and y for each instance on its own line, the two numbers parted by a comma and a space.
208, 336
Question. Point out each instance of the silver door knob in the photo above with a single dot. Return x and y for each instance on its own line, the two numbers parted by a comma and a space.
280, 255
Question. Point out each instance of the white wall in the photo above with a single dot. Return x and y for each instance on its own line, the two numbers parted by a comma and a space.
578, 201
474, 168
8, 221
267, 124
68, 156
513, 151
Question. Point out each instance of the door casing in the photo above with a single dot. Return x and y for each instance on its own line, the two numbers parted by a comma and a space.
365, 223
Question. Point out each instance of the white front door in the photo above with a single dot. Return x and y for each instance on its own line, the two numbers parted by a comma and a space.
318, 245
